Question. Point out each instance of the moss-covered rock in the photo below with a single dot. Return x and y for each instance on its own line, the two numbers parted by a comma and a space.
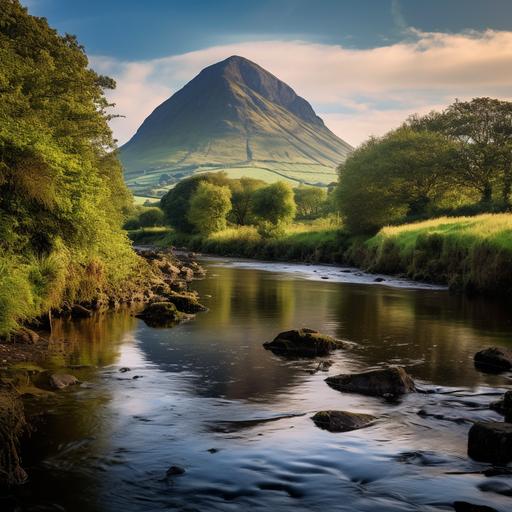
161, 314
494, 359
303, 343
186, 302
342, 421
387, 382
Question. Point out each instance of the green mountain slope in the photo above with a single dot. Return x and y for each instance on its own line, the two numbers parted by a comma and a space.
233, 116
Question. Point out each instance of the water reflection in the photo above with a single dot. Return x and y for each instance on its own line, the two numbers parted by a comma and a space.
106, 446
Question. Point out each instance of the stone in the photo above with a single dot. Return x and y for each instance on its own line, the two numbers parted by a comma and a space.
379, 280
25, 336
387, 382
490, 441
175, 471
186, 302
303, 343
503, 406
62, 380
78, 311
464, 506
494, 359
187, 273
161, 314
342, 421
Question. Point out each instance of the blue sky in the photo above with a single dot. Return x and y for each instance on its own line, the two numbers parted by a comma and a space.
363, 64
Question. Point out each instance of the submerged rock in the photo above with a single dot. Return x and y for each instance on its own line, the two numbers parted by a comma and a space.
494, 359
161, 314
387, 382
186, 302
503, 406
62, 380
303, 343
175, 470
342, 421
464, 506
490, 442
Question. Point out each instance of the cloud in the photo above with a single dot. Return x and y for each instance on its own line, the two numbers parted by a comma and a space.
358, 92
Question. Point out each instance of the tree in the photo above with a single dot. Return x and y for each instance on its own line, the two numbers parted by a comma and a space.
151, 217
242, 196
482, 129
309, 201
209, 206
274, 203
393, 178
176, 202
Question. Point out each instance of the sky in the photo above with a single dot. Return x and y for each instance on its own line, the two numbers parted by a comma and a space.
364, 65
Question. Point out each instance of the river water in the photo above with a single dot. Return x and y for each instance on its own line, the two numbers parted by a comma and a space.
207, 397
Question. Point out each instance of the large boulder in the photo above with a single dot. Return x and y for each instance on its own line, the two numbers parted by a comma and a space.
186, 302
161, 314
387, 382
303, 343
341, 421
494, 359
490, 441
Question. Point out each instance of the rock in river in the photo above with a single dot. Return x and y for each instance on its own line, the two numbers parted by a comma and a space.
490, 441
387, 382
161, 314
494, 359
186, 302
504, 406
303, 343
342, 421
464, 506
62, 380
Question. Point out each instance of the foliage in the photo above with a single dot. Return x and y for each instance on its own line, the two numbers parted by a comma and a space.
176, 202
209, 206
274, 204
62, 195
242, 198
398, 176
310, 201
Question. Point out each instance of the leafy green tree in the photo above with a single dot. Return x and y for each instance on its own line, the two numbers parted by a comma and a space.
176, 202
275, 203
482, 129
396, 177
242, 195
151, 217
310, 201
209, 207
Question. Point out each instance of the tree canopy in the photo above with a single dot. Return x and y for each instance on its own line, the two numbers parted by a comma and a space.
209, 207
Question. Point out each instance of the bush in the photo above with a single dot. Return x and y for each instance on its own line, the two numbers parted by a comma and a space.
275, 204
209, 206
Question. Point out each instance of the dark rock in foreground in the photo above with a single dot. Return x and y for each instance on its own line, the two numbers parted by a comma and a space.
161, 314
464, 506
342, 421
490, 442
303, 343
494, 359
386, 382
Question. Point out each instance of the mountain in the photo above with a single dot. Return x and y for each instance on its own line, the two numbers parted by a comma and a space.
232, 116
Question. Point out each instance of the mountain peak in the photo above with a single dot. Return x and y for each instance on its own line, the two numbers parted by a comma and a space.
233, 115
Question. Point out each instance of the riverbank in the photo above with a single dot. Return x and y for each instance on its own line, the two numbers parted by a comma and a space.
468, 254
29, 361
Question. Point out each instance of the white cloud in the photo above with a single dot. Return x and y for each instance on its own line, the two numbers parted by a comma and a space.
358, 92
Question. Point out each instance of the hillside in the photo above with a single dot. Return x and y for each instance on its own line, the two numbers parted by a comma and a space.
233, 116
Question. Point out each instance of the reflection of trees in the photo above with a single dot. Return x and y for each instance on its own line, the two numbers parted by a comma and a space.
90, 341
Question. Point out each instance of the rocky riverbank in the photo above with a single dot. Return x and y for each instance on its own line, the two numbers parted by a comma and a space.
24, 355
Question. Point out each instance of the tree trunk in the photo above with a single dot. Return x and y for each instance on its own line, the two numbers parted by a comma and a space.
486, 198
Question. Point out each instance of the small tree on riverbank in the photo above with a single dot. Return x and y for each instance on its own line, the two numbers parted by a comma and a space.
209, 207
274, 205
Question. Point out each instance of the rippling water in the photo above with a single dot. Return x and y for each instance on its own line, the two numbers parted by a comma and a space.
207, 397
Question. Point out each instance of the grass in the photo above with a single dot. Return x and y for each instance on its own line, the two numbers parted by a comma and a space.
470, 253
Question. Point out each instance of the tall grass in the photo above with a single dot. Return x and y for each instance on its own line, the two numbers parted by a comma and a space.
470, 253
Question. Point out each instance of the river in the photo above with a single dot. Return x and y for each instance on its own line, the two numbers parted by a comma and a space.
206, 396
